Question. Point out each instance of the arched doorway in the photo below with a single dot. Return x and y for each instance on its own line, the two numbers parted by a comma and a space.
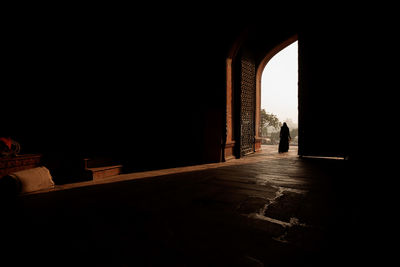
325, 101
277, 90
243, 95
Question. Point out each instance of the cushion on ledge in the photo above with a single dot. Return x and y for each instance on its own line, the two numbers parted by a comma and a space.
34, 179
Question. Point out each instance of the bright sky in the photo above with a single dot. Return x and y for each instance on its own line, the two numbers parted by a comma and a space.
279, 84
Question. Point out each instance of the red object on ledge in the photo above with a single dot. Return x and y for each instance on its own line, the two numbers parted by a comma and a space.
6, 141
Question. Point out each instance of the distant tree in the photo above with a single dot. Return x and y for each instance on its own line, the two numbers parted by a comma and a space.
268, 120
294, 132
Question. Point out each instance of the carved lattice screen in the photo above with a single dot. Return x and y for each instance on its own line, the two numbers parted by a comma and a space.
247, 106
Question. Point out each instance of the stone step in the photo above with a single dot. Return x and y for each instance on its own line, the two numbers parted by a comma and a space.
97, 169
104, 172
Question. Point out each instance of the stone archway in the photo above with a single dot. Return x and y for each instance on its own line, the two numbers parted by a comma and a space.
233, 146
260, 70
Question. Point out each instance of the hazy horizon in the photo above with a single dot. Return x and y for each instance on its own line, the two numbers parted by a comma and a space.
279, 84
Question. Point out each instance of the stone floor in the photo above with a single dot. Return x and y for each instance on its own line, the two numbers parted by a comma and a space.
266, 209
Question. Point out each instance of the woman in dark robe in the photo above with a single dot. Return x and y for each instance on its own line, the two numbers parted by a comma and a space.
284, 138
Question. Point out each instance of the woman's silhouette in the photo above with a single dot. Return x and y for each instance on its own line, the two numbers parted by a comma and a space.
284, 138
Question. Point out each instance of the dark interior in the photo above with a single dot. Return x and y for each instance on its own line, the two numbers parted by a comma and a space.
151, 94
146, 87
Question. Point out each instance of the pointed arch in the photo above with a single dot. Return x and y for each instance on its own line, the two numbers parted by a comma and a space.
229, 146
259, 72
